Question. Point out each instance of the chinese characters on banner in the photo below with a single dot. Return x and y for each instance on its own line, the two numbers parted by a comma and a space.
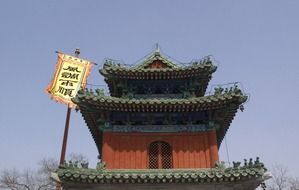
70, 76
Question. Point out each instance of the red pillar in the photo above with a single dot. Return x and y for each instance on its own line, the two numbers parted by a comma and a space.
213, 147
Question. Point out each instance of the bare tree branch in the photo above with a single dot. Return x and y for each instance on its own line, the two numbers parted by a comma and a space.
35, 179
75, 157
294, 183
14, 180
281, 179
29, 179
47, 165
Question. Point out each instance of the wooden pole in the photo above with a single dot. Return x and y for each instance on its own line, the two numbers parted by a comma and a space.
66, 131
67, 126
65, 135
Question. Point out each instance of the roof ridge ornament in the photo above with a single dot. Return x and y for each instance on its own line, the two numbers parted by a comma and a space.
157, 49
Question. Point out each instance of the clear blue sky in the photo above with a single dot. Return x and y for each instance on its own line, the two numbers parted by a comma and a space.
254, 42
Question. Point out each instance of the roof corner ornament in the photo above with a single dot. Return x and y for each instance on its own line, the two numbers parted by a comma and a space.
157, 49
101, 165
220, 165
241, 107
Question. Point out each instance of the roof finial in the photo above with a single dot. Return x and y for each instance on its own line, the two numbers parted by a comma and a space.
77, 52
157, 49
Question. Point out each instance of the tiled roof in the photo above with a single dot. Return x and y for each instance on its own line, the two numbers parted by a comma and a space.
92, 105
156, 56
203, 70
100, 101
255, 171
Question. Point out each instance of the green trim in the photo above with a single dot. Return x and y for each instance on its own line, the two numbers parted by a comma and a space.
155, 128
218, 174
92, 99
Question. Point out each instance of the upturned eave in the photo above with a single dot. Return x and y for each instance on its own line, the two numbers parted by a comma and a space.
253, 174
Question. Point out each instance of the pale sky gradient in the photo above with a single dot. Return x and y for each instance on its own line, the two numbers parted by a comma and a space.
255, 42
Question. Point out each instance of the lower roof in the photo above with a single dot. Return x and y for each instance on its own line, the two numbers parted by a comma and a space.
252, 171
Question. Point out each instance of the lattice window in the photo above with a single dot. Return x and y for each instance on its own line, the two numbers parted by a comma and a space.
160, 155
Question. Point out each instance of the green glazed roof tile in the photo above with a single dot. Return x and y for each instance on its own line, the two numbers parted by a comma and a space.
112, 69
157, 176
84, 97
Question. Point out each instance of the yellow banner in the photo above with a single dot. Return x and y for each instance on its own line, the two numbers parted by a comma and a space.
70, 76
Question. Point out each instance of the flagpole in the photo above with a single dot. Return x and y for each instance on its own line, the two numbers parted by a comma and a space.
67, 126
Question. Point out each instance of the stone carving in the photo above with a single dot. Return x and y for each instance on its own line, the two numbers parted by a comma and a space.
101, 165
75, 164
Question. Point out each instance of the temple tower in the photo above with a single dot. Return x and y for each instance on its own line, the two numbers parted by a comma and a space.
158, 129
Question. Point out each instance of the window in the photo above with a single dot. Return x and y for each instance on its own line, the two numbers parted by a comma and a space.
160, 155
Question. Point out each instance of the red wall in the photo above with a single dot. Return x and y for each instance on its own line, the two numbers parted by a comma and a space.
189, 150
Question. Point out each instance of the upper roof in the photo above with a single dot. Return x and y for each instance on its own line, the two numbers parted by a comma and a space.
156, 56
158, 66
